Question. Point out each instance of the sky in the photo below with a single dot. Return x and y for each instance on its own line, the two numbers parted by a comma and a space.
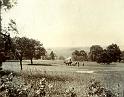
70, 23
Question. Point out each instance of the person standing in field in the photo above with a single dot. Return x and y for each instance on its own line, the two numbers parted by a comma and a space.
83, 63
78, 63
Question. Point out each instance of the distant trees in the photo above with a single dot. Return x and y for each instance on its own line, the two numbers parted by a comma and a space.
52, 55
29, 48
114, 52
122, 56
111, 54
61, 58
95, 50
79, 55
40, 52
75, 55
104, 57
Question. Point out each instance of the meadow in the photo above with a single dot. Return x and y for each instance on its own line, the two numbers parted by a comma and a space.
61, 80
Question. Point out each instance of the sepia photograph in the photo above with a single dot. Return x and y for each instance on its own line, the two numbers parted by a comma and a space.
61, 48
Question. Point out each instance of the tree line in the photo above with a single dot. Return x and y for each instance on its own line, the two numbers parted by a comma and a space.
111, 53
30, 49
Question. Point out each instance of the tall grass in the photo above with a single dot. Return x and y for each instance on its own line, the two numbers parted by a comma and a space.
62, 82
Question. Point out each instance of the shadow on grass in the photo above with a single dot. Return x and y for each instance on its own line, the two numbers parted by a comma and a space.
12, 60
109, 65
40, 64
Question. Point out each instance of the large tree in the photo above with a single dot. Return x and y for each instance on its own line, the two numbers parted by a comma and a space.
104, 57
111, 54
95, 50
114, 52
29, 48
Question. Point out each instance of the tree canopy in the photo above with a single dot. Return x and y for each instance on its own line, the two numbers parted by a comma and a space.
79, 55
29, 48
122, 56
95, 50
111, 54
114, 52
8, 4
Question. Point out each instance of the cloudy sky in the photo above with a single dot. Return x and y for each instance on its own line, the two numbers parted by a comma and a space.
65, 23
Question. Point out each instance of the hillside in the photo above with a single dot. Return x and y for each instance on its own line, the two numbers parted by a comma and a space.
66, 51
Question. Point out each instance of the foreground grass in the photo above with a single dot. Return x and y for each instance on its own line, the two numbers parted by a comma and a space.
62, 81
57, 85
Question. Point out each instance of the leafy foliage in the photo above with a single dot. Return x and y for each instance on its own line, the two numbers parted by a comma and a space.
12, 85
79, 55
8, 4
111, 54
122, 56
96, 89
104, 57
52, 55
11, 27
114, 52
29, 48
95, 50
40, 51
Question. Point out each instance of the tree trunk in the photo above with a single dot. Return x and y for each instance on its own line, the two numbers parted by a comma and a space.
20, 61
0, 18
21, 64
0, 33
31, 61
0, 65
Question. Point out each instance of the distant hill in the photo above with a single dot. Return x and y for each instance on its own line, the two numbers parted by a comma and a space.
66, 51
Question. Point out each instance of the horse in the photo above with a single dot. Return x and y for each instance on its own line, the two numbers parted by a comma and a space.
68, 61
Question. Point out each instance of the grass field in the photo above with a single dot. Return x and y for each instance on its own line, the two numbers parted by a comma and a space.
63, 77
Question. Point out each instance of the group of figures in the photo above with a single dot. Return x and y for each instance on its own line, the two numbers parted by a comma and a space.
69, 62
